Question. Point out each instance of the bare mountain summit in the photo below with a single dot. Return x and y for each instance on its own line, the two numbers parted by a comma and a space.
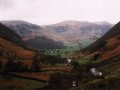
67, 33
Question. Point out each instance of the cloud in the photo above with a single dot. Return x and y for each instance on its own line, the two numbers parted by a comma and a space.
6, 4
53, 11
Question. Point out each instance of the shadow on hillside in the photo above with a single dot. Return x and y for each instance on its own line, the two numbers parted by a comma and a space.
44, 43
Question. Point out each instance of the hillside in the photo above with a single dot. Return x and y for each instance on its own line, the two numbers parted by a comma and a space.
107, 49
69, 33
24, 29
110, 79
11, 42
107, 46
9, 49
10, 35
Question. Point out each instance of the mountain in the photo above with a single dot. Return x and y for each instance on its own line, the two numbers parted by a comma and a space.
34, 35
24, 29
68, 33
108, 46
11, 44
10, 35
78, 32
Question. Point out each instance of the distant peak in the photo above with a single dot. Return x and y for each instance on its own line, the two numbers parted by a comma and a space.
103, 22
72, 22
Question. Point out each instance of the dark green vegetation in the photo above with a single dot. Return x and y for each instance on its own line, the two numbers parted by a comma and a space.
10, 35
43, 42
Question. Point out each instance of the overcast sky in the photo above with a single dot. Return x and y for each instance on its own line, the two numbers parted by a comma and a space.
44, 12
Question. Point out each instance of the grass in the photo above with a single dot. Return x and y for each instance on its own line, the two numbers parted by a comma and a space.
84, 60
111, 83
14, 83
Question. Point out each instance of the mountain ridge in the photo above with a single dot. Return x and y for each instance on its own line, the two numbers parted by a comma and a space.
67, 32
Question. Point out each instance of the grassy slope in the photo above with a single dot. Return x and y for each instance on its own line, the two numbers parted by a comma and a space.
112, 78
111, 72
107, 46
7, 46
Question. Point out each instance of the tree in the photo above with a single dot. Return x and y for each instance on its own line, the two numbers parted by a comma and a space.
75, 65
36, 65
14, 65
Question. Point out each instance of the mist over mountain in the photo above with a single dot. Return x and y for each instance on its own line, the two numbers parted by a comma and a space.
69, 33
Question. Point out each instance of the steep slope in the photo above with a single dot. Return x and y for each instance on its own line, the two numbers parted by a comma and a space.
9, 49
107, 46
10, 44
112, 33
9, 34
69, 32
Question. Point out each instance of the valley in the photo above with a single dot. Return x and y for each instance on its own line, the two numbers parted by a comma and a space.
59, 45
59, 56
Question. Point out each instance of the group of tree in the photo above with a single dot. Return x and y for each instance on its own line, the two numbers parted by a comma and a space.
53, 60
17, 64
